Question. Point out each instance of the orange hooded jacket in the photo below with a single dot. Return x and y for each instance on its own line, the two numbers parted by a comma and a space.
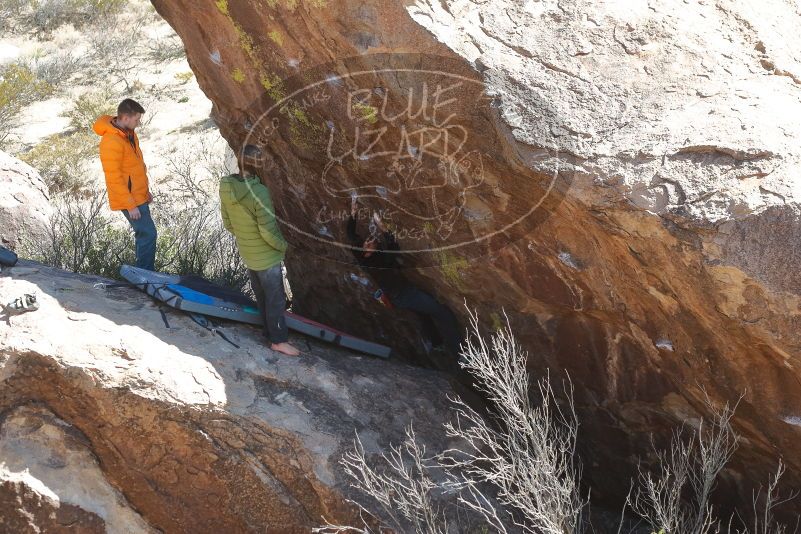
123, 165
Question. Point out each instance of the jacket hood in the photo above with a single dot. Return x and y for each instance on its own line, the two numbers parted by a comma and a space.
233, 188
103, 125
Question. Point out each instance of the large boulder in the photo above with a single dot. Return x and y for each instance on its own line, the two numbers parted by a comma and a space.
111, 421
663, 136
25, 207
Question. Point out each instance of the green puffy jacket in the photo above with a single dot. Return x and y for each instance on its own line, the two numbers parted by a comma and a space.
247, 212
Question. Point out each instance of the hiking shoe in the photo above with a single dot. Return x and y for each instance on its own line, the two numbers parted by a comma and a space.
20, 305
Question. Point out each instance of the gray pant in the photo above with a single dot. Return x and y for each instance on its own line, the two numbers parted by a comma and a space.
268, 285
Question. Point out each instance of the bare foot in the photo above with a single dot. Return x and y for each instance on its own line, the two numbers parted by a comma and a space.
285, 348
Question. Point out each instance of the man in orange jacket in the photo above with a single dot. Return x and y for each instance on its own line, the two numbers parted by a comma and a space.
126, 176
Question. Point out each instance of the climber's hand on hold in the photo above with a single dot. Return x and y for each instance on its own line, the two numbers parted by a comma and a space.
377, 221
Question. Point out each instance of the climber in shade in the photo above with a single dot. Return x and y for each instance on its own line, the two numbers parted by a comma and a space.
247, 212
378, 256
126, 176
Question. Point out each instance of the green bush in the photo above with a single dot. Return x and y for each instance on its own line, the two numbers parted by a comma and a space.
117, 52
165, 50
48, 15
83, 237
193, 172
19, 87
89, 106
192, 240
10, 12
114, 246
62, 160
55, 69
184, 77
28, 80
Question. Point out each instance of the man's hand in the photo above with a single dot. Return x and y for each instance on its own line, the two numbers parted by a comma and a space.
134, 214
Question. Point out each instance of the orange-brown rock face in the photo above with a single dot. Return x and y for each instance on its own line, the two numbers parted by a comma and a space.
621, 181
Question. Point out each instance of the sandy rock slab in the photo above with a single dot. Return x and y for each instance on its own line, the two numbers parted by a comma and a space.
112, 422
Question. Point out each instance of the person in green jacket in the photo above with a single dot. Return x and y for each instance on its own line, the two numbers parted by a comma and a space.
247, 212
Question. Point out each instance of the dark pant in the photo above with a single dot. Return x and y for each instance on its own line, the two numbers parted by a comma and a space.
145, 237
417, 300
268, 285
